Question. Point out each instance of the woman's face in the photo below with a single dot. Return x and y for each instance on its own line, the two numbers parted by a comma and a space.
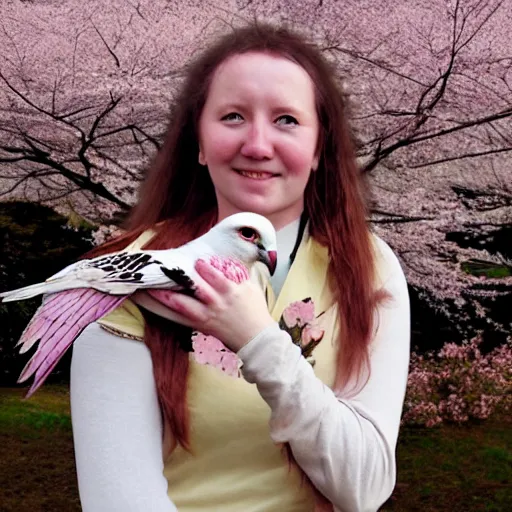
258, 135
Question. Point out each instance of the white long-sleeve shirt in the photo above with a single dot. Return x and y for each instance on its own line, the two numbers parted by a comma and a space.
346, 447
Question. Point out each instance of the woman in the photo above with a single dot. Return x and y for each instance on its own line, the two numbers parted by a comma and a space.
259, 125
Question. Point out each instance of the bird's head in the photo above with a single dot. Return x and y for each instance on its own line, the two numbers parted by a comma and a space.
248, 237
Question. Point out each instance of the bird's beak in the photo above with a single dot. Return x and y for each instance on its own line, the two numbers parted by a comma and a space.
270, 260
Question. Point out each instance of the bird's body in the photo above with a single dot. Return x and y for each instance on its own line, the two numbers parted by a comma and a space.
123, 273
87, 290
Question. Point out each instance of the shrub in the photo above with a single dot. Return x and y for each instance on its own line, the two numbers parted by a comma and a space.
36, 243
459, 383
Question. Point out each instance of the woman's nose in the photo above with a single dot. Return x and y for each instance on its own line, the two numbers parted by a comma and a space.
257, 143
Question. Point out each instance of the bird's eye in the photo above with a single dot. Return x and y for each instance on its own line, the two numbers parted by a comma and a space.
249, 234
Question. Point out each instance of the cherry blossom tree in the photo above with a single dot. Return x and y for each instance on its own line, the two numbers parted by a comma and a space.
85, 89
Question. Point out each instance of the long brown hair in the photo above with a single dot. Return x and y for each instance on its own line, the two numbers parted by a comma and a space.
178, 196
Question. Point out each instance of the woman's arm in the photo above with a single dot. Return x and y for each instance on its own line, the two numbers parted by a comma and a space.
117, 426
345, 446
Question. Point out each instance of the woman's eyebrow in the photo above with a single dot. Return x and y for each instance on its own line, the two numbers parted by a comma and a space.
231, 106
289, 109
280, 109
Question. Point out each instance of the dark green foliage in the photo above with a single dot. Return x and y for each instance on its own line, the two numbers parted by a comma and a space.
485, 268
431, 328
36, 243
494, 241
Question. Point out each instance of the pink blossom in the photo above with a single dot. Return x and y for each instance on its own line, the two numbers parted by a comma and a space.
210, 351
298, 320
299, 313
105, 233
311, 332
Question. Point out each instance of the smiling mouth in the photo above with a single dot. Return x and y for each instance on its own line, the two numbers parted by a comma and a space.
256, 175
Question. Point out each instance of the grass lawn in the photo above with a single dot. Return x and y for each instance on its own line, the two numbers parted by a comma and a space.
457, 469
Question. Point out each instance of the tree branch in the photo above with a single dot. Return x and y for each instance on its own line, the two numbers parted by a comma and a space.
114, 56
460, 157
384, 153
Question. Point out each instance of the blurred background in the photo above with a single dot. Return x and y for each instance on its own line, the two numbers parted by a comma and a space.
85, 94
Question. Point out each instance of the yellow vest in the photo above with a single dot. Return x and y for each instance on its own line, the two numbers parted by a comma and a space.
234, 465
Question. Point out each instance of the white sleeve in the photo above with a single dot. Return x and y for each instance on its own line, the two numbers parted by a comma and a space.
345, 446
117, 425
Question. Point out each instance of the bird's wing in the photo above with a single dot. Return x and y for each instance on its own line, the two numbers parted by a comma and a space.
120, 273
126, 272
56, 324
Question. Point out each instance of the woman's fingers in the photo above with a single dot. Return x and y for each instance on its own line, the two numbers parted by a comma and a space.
202, 292
205, 294
233, 316
163, 309
190, 308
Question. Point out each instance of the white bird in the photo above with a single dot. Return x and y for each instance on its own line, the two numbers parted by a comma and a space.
87, 290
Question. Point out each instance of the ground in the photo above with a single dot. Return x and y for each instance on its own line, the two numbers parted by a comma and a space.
453, 468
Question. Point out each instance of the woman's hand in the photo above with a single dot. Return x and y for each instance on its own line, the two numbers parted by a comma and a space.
233, 313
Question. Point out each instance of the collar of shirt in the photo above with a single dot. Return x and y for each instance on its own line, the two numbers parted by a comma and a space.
286, 240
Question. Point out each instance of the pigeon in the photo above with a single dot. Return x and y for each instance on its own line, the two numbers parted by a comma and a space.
89, 289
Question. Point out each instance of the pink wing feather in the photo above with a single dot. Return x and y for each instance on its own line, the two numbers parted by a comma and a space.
58, 306
56, 324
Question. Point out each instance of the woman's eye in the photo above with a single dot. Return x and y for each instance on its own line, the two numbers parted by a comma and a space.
232, 116
286, 119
